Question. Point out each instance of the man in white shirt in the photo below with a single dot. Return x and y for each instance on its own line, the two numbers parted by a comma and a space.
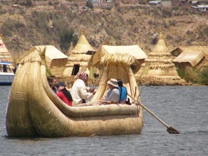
80, 93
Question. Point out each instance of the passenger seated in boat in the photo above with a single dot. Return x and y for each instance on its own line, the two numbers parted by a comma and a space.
112, 94
80, 93
63, 93
52, 83
122, 92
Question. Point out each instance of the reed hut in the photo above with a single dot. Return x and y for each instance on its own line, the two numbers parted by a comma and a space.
55, 59
5, 56
195, 57
132, 50
78, 57
158, 68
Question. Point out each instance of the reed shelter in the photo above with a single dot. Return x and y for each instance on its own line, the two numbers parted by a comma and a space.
55, 59
128, 50
158, 68
78, 57
5, 55
193, 57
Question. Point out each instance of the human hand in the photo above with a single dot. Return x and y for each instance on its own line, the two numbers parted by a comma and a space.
91, 90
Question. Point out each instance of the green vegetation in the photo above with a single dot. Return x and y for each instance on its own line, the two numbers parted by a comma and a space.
10, 26
37, 30
203, 75
66, 37
191, 75
181, 73
194, 76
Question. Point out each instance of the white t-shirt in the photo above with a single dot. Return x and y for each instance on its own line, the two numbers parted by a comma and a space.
79, 92
112, 95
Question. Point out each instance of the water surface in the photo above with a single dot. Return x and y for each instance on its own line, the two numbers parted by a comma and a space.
183, 107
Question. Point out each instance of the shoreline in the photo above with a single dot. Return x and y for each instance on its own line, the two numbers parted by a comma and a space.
95, 82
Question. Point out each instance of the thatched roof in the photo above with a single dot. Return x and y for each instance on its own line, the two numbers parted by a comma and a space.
158, 68
160, 47
78, 55
203, 49
191, 54
132, 50
52, 53
55, 60
4, 53
82, 46
191, 57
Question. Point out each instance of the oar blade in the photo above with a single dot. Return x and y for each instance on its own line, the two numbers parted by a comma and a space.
171, 130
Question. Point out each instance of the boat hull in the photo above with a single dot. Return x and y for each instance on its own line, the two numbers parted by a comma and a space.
6, 78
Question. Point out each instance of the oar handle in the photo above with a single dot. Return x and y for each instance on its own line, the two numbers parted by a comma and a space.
139, 103
171, 130
166, 125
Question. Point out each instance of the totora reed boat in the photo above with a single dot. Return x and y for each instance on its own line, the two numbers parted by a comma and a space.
35, 111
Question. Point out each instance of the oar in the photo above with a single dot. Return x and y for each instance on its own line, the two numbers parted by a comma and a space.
170, 129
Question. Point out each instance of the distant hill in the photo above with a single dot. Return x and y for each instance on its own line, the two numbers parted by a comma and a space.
24, 27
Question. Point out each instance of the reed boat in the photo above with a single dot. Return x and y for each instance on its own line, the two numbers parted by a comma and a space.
35, 111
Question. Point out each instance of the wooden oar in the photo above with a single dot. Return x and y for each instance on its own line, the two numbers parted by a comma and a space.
170, 129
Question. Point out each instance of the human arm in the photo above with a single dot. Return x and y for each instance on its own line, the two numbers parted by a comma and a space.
84, 92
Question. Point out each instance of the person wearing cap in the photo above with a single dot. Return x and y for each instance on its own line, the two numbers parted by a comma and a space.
79, 91
112, 94
63, 93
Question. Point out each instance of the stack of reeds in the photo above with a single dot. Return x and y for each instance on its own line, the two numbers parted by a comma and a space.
158, 68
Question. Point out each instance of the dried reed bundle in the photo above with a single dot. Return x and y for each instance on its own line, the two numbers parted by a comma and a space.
159, 61
162, 66
160, 54
151, 80
117, 58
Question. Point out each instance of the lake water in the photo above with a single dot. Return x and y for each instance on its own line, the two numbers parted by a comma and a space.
185, 108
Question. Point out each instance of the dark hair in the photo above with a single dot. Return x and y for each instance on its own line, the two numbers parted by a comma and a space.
60, 84
120, 83
50, 79
67, 94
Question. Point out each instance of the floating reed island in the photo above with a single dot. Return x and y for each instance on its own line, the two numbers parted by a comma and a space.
158, 68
